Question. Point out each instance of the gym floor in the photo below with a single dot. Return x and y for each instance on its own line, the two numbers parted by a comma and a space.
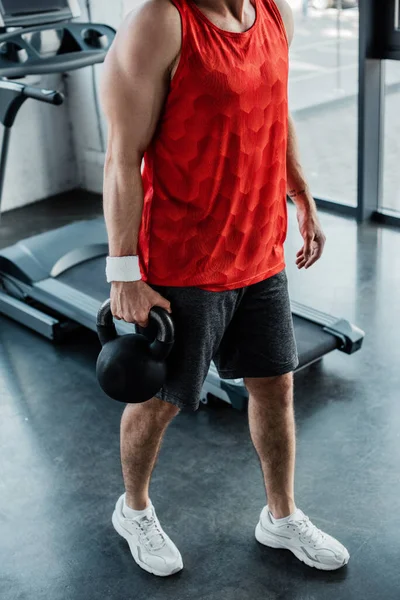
60, 473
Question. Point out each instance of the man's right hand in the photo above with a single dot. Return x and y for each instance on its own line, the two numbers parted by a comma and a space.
132, 301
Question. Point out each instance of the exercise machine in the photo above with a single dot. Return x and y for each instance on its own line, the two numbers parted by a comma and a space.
55, 281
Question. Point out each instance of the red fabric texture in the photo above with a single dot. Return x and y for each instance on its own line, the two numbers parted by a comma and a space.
215, 212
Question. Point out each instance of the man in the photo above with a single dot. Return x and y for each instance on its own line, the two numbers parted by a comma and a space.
198, 88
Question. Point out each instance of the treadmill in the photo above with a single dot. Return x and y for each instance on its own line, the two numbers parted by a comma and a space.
55, 282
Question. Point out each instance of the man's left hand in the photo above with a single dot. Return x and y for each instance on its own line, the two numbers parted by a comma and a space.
313, 236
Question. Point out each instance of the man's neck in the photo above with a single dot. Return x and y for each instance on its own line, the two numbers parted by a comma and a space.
237, 9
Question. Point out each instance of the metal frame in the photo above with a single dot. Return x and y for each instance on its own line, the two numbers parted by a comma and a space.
345, 210
370, 118
82, 53
374, 47
370, 137
29, 316
392, 50
13, 97
386, 217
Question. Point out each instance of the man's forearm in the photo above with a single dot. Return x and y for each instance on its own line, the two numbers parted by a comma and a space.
297, 189
123, 207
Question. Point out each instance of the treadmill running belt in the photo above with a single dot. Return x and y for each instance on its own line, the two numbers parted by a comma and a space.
312, 341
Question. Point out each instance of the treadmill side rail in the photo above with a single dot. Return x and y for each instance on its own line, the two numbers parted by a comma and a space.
67, 301
30, 317
351, 337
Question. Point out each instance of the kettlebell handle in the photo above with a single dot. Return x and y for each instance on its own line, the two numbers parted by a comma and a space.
164, 341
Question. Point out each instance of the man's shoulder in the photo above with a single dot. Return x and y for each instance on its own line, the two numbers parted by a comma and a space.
287, 17
157, 14
151, 32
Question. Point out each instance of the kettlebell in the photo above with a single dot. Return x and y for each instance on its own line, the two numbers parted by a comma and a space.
131, 368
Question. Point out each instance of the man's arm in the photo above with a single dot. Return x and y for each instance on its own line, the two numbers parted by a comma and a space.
298, 189
307, 215
134, 87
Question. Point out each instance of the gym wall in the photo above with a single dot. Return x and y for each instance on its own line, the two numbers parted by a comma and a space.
88, 130
41, 161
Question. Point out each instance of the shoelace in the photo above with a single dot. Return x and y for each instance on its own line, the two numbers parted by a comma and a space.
308, 530
151, 532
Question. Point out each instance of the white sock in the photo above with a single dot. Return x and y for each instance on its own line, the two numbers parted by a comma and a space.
283, 520
131, 513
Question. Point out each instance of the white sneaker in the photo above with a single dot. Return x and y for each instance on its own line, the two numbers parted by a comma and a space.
311, 545
150, 546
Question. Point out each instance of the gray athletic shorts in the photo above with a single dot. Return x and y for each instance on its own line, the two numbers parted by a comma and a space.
248, 332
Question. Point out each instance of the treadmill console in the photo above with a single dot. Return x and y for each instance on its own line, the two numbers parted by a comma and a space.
53, 48
24, 13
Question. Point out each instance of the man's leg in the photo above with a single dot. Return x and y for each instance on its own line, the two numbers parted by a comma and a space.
261, 341
134, 517
142, 430
272, 429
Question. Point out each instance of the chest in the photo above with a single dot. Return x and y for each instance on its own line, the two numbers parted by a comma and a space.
226, 71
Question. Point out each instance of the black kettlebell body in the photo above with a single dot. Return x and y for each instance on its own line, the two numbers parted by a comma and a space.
131, 368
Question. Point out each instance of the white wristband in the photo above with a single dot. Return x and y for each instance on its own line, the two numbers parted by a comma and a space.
123, 268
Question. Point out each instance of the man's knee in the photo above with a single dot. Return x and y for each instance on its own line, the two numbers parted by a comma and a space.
166, 409
159, 410
155, 412
271, 389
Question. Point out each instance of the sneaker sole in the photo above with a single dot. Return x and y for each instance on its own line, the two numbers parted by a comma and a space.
267, 540
125, 534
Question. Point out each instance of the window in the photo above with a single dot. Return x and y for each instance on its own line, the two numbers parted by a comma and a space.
390, 199
323, 95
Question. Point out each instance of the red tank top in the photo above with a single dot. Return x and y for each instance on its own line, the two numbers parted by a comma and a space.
215, 212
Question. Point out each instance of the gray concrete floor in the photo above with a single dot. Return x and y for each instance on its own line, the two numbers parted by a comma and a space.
60, 472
